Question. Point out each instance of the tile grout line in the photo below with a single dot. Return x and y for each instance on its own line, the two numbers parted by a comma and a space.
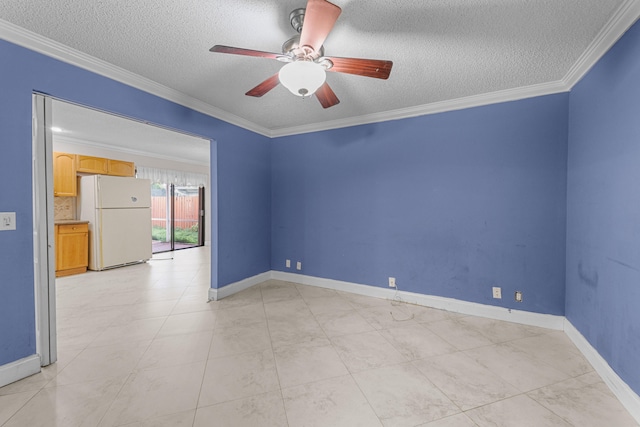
275, 363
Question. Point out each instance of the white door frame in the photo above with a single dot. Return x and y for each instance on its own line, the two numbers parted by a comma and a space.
43, 231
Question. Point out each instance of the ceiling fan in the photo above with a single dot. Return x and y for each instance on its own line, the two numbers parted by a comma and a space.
304, 74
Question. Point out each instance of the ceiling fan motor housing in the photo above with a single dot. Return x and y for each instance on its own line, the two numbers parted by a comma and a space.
292, 48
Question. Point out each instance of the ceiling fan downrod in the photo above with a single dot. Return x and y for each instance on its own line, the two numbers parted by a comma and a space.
296, 17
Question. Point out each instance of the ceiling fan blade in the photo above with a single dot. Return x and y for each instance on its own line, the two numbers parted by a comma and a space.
326, 96
264, 87
376, 68
319, 18
246, 52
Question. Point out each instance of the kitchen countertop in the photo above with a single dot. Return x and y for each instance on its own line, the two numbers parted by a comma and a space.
70, 221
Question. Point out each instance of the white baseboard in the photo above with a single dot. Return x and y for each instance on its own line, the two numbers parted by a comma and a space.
337, 285
234, 288
14, 371
629, 399
548, 321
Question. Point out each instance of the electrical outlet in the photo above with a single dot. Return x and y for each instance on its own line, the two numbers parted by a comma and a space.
497, 292
518, 296
298, 265
7, 221
392, 282
287, 263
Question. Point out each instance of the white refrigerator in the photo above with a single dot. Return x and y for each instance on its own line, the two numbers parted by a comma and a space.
119, 213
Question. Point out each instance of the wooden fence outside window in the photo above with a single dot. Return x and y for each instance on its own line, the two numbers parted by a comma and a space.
186, 211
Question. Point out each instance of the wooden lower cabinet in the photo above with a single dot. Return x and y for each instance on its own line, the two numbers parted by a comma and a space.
72, 248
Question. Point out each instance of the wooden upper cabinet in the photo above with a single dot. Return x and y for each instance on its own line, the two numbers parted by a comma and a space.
121, 168
102, 166
64, 175
89, 164
66, 166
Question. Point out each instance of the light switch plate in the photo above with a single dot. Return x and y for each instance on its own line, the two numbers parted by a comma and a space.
7, 221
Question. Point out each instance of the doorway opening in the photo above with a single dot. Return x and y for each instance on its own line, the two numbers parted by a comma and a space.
90, 133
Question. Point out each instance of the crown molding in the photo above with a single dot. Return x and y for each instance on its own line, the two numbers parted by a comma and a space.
45, 46
433, 108
623, 18
85, 142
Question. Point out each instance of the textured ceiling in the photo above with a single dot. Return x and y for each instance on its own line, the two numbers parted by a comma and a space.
77, 124
442, 50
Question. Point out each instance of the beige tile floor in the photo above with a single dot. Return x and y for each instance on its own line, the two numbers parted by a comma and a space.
140, 346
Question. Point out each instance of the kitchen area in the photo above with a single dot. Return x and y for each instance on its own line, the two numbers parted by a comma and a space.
113, 181
102, 215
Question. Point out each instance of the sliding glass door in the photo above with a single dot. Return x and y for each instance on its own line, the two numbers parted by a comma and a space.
177, 215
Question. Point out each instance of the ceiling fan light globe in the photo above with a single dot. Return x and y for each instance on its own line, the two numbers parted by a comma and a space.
302, 78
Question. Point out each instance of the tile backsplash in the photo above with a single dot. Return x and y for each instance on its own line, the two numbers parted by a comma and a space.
64, 208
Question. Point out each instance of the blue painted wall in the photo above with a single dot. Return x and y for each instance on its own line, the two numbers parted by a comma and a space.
241, 246
450, 204
603, 209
